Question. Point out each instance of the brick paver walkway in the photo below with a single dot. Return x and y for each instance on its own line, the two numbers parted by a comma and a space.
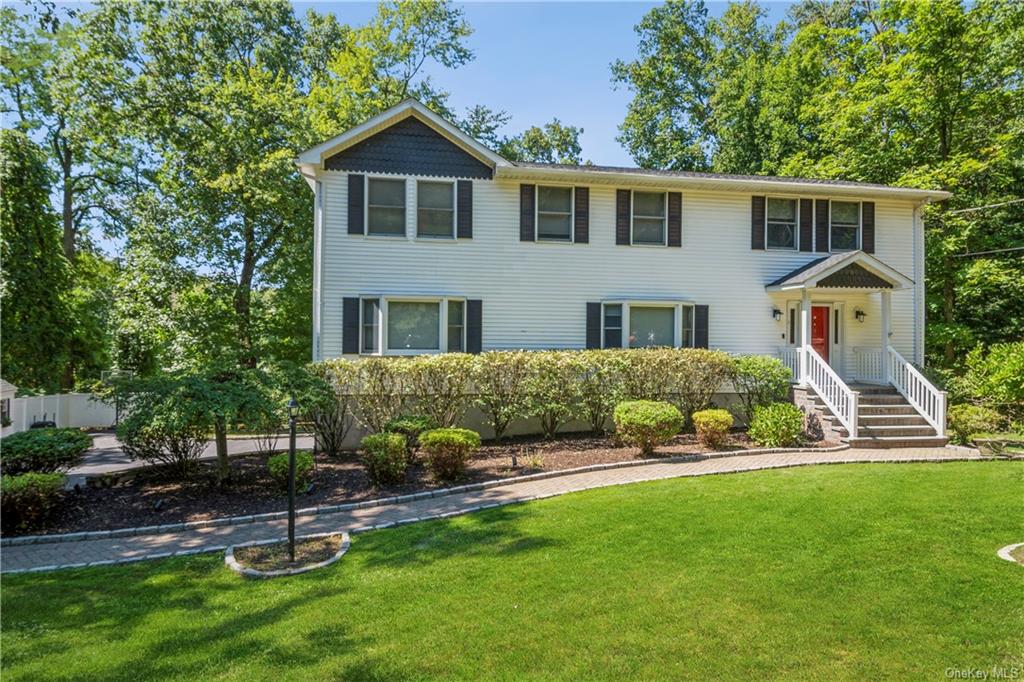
48, 556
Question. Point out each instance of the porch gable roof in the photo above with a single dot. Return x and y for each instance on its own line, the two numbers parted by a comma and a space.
849, 270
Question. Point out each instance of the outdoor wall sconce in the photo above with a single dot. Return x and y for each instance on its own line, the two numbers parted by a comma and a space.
859, 314
777, 314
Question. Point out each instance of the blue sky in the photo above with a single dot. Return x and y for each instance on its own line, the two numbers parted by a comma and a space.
538, 61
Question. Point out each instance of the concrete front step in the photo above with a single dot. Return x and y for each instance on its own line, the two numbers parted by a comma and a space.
873, 389
889, 431
886, 410
901, 442
879, 399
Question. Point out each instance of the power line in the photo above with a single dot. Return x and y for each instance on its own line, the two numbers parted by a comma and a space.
1012, 249
982, 208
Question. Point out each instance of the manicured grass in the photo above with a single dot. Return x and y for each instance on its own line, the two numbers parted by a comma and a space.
849, 571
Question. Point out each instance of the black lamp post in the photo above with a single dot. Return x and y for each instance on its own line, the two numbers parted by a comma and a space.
293, 405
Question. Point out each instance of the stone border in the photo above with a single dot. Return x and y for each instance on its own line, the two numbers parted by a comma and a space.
1004, 553
232, 563
384, 501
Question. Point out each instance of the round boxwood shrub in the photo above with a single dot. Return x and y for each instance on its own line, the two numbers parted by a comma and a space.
43, 450
967, 420
27, 500
647, 423
448, 450
779, 425
411, 426
386, 457
712, 427
278, 467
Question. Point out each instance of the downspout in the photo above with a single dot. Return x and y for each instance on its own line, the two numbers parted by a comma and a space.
917, 251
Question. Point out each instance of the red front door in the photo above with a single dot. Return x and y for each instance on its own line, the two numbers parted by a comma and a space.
819, 330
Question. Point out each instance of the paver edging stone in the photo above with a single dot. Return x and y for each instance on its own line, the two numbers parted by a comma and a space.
385, 501
232, 563
1004, 552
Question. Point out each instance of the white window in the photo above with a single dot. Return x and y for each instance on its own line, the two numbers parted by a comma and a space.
845, 226
780, 223
649, 218
385, 206
647, 324
554, 214
412, 326
435, 209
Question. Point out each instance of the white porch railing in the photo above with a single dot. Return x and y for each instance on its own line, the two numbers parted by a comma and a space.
867, 364
839, 397
919, 392
790, 357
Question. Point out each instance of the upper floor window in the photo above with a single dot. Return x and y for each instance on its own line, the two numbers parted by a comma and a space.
413, 326
385, 206
554, 214
435, 209
845, 226
648, 218
780, 223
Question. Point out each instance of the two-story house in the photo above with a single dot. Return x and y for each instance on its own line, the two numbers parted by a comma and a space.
426, 241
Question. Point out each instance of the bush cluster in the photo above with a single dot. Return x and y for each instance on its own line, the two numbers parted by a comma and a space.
386, 457
447, 451
410, 426
760, 380
647, 424
967, 420
278, 468
26, 500
993, 379
778, 425
43, 450
712, 427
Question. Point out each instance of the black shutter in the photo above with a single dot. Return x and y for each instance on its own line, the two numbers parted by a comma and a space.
526, 212
675, 219
356, 185
757, 223
867, 228
700, 326
350, 325
474, 326
806, 225
821, 225
464, 230
581, 226
622, 216
593, 325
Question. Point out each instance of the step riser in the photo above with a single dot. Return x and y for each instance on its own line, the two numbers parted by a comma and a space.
885, 420
891, 432
875, 402
886, 410
886, 443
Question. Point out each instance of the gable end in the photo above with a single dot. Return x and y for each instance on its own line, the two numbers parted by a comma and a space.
854, 275
409, 147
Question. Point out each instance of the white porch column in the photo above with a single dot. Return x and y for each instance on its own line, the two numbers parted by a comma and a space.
805, 335
886, 324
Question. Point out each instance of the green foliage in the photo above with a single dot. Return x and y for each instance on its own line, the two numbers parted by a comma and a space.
43, 450
499, 378
381, 390
28, 499
778, 425
712, 427
277, 466
440, 384
386, 457
994, 378
552, 388
326, 400
410, 426
697, 374
967, 420
647, 374
551, 143
647, 423
447, 451
600, 379
760, 380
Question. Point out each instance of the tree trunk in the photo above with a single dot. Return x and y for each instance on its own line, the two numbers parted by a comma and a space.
948, 308
221, 436
67, 207
243, 299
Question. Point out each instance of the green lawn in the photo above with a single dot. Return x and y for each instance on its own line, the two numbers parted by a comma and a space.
837, 571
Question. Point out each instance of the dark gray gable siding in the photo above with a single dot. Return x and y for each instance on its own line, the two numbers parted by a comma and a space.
409, 147
854, 275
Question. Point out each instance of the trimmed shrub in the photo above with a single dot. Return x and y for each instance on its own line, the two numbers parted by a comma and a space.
380, 390
499, 378
967, 420
552, 389
647, 424
712, 427
440, 384
385, 456
326, 399
600, 379
447, 451
43, 450
410, 426
760, 380
648, 374
779, 425
697, 374
27, 500
278, 468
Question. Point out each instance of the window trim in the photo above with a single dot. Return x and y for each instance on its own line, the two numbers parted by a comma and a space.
664, 218
381, 339
455, 209
572, 215
363, 323
405, 206
860, 224
677, 323
796, 223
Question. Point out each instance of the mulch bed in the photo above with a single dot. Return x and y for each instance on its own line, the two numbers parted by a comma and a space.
155, 497
275, 557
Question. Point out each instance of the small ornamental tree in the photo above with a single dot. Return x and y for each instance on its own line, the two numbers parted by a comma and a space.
499, 378
760, 380
325, 397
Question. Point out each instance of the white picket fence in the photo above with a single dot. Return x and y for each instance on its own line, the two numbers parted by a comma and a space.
66, 409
